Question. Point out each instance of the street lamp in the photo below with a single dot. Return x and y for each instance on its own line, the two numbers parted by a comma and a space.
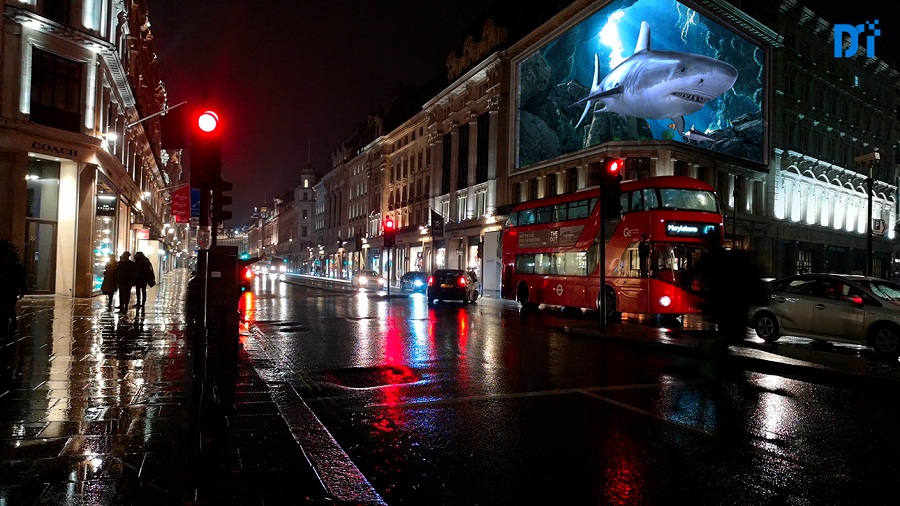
870, 160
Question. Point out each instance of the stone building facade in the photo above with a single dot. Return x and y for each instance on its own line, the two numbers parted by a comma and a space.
82, 176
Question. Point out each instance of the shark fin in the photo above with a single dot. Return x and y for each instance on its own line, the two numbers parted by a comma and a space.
679, 124
587, 109
589, 98
643, 42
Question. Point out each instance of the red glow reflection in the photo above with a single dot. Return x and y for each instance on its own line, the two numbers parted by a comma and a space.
624, 478
247, 308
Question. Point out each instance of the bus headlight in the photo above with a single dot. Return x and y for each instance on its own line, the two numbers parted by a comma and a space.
665, 300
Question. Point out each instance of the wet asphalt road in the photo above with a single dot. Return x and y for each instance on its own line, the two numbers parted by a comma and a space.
484, 405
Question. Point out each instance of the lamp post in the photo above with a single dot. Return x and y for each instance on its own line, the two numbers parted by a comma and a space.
870, 160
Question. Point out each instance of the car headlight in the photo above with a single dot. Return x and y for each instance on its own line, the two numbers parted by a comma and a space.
363, 280
418, 282
665, 300
381, 281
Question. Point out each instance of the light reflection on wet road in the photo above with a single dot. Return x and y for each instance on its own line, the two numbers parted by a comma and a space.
481, 404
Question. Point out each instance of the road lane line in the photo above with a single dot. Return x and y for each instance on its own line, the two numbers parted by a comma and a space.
337, 473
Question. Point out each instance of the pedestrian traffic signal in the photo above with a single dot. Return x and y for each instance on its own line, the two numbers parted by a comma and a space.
610, 189
206, 148
220, 201
390, 232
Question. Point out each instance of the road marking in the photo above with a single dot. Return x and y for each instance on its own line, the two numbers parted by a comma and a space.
337, 473
514, 395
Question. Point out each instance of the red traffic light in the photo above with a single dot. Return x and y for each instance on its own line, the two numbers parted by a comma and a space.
389, 224
614, 166
207, 121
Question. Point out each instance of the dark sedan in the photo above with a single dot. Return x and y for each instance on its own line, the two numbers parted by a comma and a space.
414, 281
451, 284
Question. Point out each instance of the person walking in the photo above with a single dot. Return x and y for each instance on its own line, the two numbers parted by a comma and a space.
144, 276
109, 280
126, 275
12, 284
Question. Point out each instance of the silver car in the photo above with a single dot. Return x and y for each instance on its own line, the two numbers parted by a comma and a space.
833, 307
368, 280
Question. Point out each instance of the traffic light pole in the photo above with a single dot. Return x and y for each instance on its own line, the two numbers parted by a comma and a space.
602, 296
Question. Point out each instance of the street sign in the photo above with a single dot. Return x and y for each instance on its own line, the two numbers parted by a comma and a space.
878, 226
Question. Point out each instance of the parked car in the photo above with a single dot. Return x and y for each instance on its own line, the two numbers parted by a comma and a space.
451, 284
368, 280
833, 307
414, 281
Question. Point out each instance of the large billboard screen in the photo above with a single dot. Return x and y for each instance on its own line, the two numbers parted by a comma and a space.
642, 70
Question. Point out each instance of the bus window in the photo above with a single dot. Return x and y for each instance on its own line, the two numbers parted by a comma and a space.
650, 200
525, 264
544, 214
635, 203
579, 209
672, 263
526, 217
559, 212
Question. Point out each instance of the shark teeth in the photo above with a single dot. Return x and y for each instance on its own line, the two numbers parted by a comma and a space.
691, 98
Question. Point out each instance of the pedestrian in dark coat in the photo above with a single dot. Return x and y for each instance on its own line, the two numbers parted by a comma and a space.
12, 284
109, 280
144, 277
126, 276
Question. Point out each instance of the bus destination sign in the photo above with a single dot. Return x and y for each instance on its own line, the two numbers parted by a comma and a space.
688, 229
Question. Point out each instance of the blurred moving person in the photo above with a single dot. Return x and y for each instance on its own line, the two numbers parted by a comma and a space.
12, 284
126, 276
144, 277
109, 280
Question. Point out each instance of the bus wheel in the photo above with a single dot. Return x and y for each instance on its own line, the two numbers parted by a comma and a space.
610, 305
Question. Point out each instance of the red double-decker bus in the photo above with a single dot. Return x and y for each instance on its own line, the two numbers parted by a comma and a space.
551, 248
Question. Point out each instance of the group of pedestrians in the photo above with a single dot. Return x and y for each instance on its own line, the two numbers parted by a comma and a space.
123, 275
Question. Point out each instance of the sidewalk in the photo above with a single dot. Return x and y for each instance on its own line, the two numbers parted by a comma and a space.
95, 408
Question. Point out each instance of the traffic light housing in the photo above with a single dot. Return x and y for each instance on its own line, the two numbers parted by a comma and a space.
390, 232
610, 189
206, 148
220, 201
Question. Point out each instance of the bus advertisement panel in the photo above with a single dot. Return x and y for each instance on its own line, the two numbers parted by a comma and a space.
551, 248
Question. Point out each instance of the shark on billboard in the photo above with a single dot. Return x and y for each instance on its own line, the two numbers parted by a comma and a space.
584, 88
659, 84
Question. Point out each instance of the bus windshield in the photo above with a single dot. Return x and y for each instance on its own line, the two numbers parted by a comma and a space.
673, 262
687, 200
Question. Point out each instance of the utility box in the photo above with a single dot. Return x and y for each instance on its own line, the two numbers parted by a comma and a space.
222, 279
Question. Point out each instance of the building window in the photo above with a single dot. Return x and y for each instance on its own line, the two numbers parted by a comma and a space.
532, 188
572, 180
480, 209
517, 192
804, 261
481, 149
462, 158
304, 231
551, 185
56, 91
446, 155
460, 208
57, 10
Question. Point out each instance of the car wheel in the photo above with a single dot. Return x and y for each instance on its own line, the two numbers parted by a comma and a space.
766, 327
885, 338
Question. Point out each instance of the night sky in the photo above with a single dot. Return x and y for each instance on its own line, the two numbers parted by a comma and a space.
293, 78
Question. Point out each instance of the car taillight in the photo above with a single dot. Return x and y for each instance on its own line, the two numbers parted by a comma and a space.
430, 280
248, 274
462, 281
